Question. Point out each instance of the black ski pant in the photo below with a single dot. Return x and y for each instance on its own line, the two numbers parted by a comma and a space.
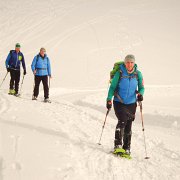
44, 80
125, 114
15, 78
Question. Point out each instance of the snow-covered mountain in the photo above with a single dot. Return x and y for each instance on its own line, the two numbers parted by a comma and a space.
83, 40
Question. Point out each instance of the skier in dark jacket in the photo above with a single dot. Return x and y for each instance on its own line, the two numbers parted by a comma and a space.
124, 89
13, 62
41, 68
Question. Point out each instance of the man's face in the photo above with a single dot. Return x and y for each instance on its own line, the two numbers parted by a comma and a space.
129, 65
17, 49
42, 52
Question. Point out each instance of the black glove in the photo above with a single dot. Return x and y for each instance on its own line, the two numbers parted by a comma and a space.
109, 104
24, 72
8, 69
140, 97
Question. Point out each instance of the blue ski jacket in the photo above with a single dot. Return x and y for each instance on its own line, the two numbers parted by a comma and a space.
41, 65
14, 60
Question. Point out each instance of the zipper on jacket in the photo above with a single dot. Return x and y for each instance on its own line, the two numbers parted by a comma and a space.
17, 60
128, 88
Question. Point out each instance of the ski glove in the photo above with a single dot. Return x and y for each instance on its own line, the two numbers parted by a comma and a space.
109, 105
8, 69
24, 72
139, 97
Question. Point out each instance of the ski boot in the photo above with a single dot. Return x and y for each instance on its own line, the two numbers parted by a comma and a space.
47, 100
11, 92
127, 154
17, 95
34, 98
118, 150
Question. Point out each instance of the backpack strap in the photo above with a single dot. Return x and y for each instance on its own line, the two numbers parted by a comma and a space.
10, 52
135, 75
37, 58
117, 95
116, 91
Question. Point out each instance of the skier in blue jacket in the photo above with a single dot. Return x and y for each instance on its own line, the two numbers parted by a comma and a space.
13, 61
127, 88
41, 69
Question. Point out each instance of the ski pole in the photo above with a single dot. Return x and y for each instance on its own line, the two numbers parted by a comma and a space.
33, 87
103, 126
21, 84
140, 104
4, 79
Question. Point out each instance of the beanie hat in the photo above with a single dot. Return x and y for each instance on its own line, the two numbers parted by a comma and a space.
17, 45
130, 58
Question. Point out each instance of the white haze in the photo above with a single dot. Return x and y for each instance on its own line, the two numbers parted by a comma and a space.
83, 39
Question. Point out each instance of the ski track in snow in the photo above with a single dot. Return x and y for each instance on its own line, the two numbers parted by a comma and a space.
77, 129
5, 104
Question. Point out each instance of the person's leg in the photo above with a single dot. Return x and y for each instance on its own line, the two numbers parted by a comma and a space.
128, 128
127, 135
17, 79
122, 119
36, 87
46, 88
12, 79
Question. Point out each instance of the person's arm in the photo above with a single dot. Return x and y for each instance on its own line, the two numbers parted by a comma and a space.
7, 60
49, 67
23, 64
34, 64
113, 86
140, 83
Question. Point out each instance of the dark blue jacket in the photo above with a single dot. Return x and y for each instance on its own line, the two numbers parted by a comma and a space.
14, 60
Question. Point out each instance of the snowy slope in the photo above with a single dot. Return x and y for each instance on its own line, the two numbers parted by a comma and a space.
59, 141
83, 40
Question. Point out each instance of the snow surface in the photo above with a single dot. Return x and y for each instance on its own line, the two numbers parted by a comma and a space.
83, 39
